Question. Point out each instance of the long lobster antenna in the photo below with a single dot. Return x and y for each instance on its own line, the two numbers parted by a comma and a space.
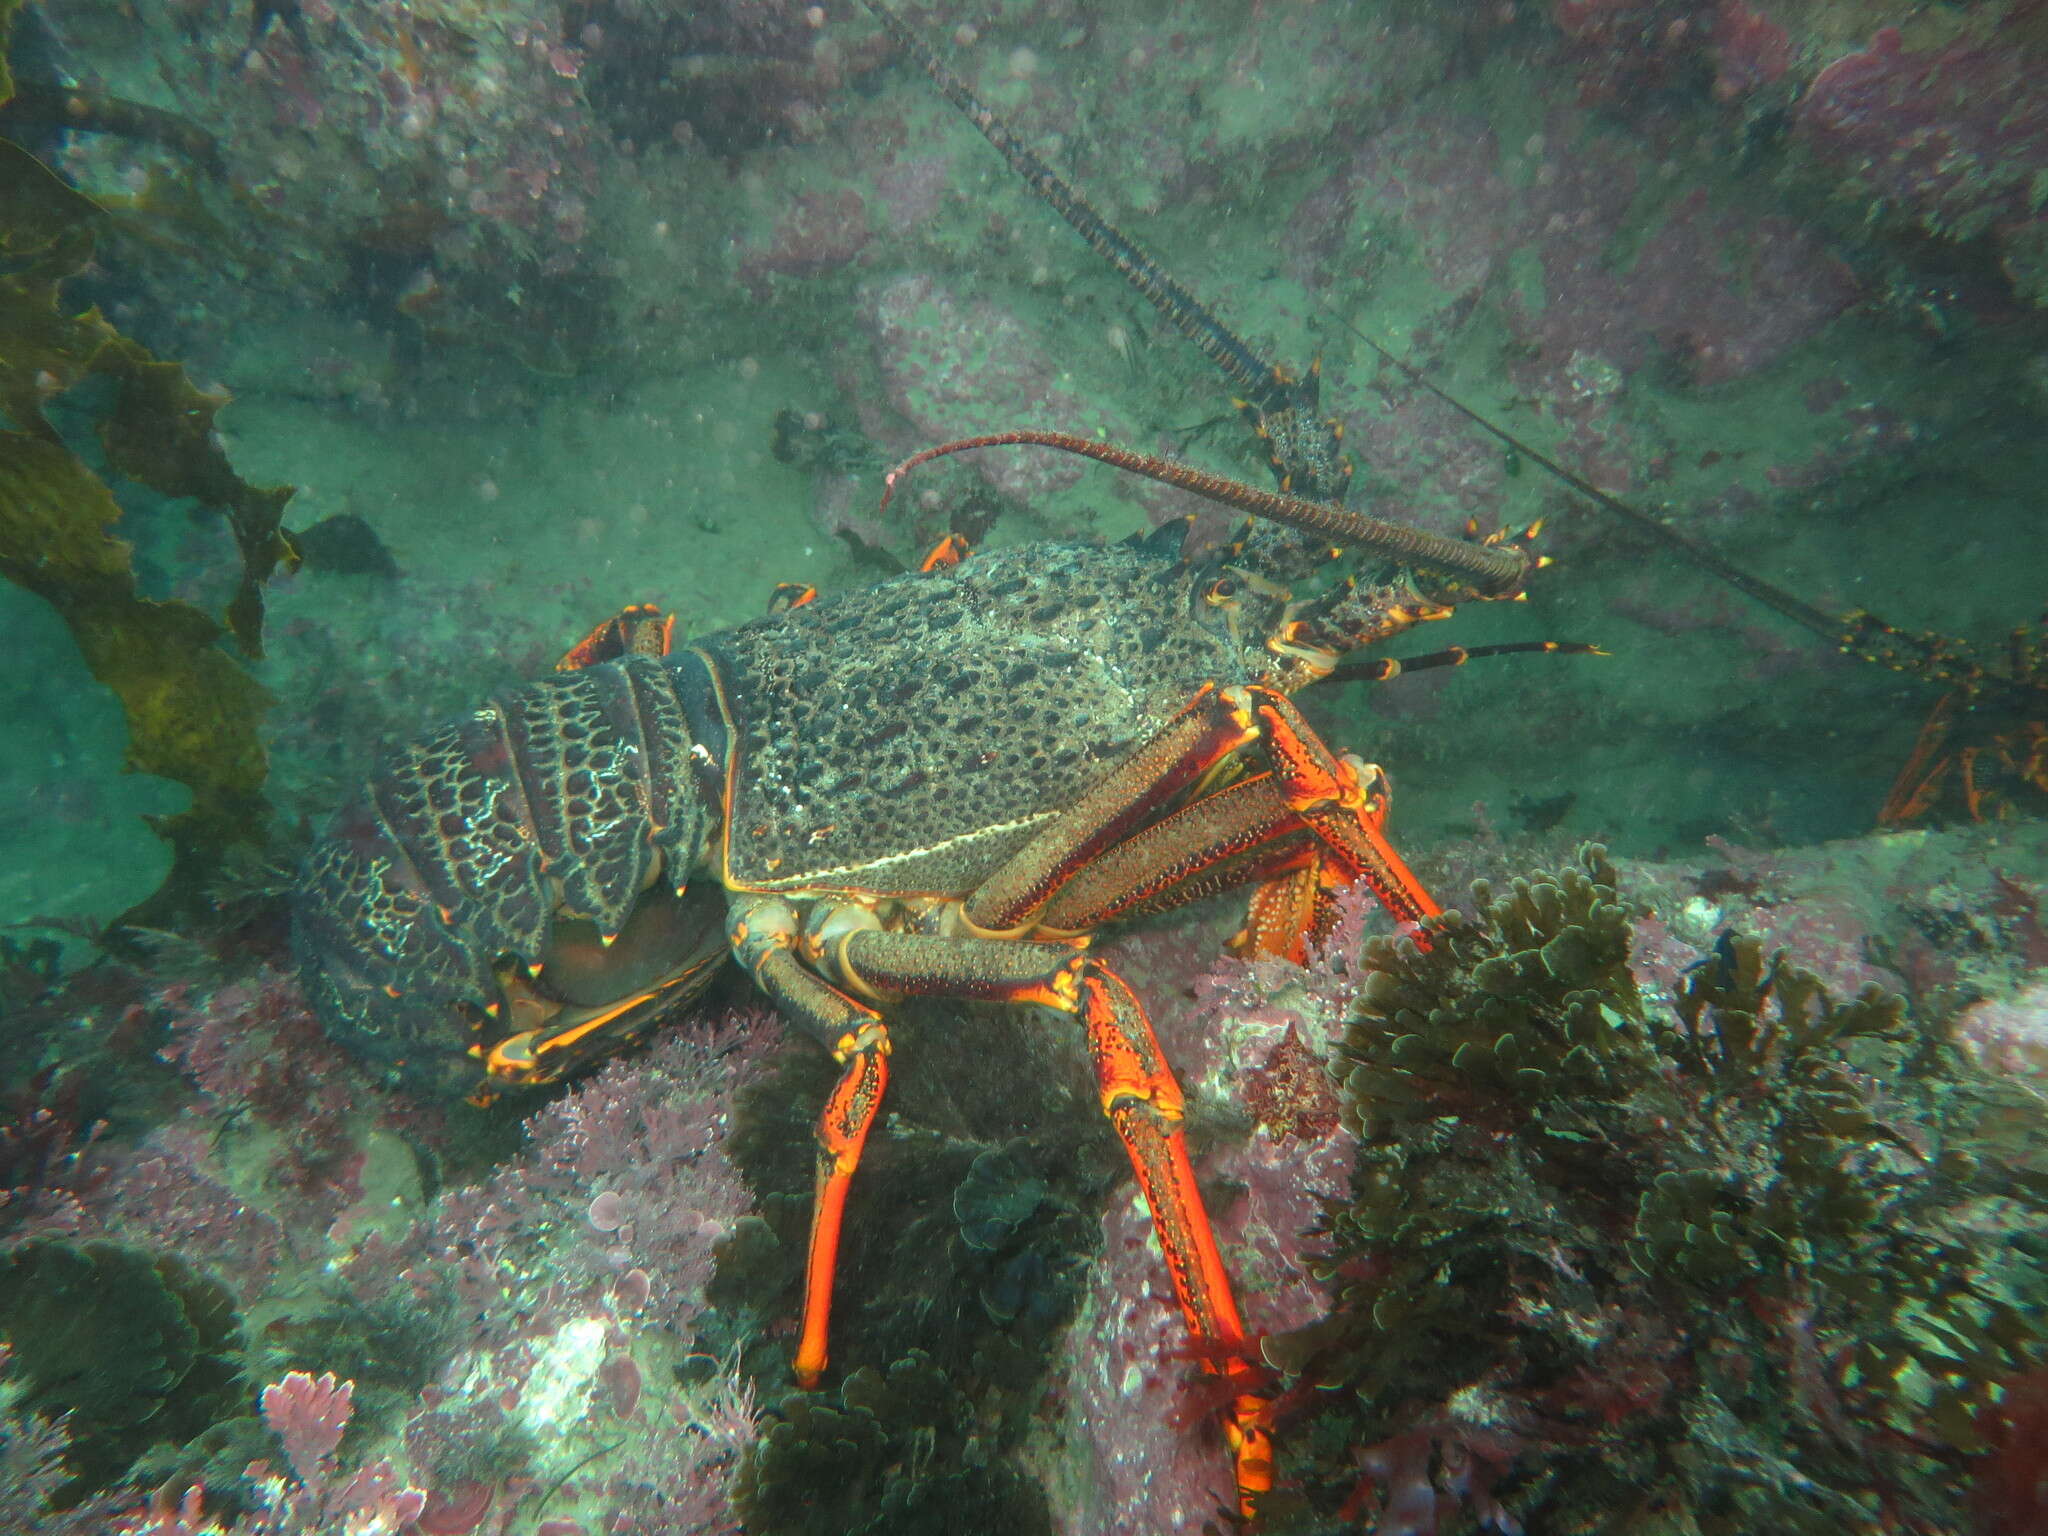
1494, 570
1304, 449
1834, 627
1245, 369
1384, 669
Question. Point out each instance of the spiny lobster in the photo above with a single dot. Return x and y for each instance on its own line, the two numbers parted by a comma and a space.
939, 786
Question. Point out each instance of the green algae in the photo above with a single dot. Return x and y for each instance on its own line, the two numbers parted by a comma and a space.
1757, 1260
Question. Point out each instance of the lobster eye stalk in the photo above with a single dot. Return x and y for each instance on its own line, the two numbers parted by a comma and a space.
1492, 570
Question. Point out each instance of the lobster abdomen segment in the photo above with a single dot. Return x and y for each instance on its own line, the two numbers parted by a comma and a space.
556, 800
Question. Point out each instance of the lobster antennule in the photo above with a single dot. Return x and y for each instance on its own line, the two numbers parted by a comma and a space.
1494, 570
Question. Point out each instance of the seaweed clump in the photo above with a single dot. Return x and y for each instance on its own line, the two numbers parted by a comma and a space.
129, 1349
1758, 1263
193, 714
902, 1450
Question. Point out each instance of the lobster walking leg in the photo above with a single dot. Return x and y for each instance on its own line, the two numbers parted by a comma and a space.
1144, 1104
842, 1135
764, 933
1311, 826
1335, 799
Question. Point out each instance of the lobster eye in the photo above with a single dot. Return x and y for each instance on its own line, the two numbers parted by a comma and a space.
1221, 591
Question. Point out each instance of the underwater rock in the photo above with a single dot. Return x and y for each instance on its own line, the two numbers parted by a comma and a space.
820, 233
2009, 1034
1953, 138
345, 545
955, 365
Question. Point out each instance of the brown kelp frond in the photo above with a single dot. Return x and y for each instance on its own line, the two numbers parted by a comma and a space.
192, 712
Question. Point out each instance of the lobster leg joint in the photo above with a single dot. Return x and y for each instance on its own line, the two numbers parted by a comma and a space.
1331, 796
842, 1136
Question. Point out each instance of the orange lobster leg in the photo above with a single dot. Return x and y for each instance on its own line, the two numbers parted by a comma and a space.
842, 1135
1329, 794
945, 554
862, 1049
1286, 911
1145, 1106
1201, 736
791, 594
763, 935
639, 630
